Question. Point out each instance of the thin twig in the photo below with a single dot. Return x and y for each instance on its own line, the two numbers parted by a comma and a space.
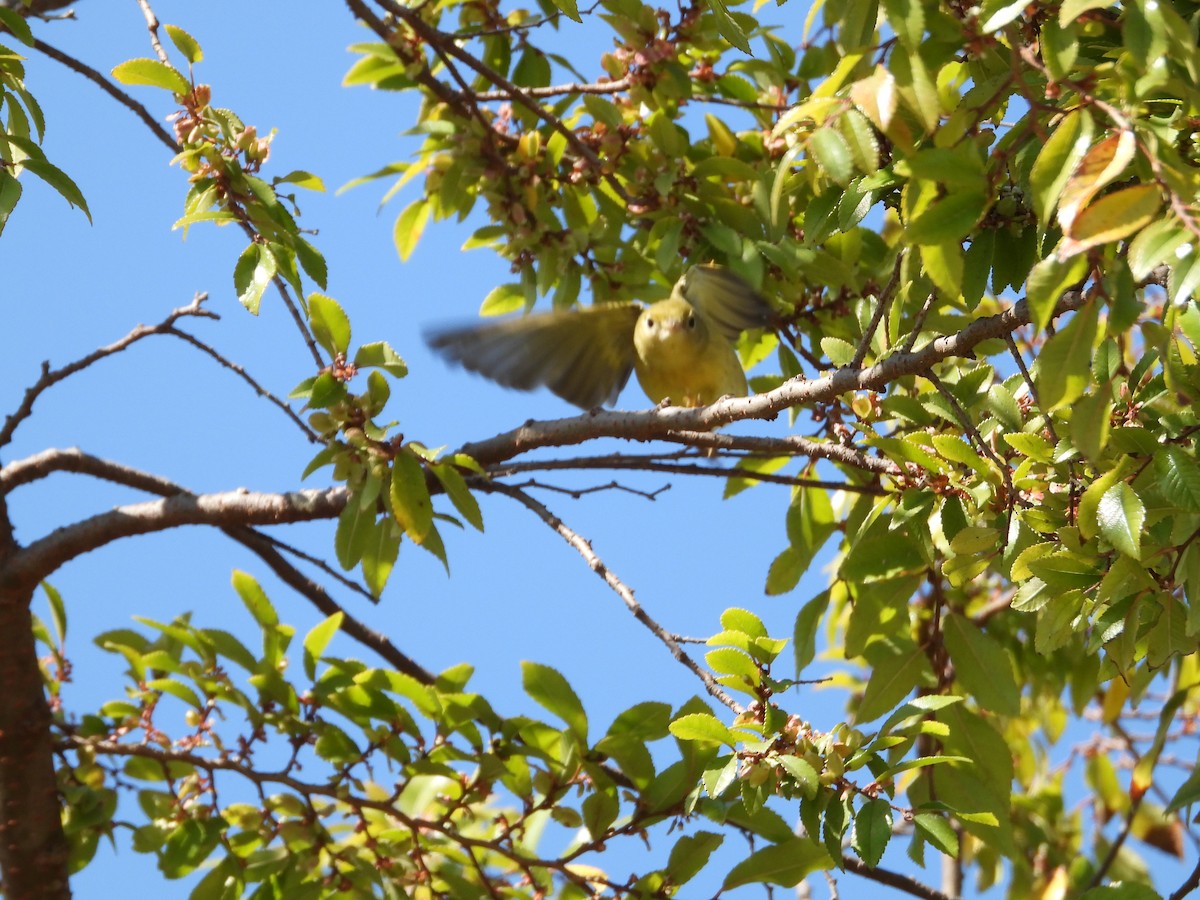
577, 493
439, 39
556, 90
152, 27
649, 464
1028, 379
597, 565
919, 322
1190, 884
881, 308
792, 445
977, 439
238, 370
320, 564
111, 89
51, 377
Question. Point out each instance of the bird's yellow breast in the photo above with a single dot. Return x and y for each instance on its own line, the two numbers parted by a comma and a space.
678, 356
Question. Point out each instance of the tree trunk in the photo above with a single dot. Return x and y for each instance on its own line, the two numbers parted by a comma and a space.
33, 849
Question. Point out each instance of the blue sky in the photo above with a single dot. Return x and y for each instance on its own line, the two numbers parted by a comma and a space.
517, 592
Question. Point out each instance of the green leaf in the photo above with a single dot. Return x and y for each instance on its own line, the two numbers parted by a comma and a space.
410, 497
702, 727
837, 351
330, 324
1188, 793
1128, 890
409, 226
1120, 516
784, 864
152, 73
938, 832
458, 492
690, 854
176, 689
1057, 160
380, 355
185, 43
551, 690
10, 193
1048, 279
1091, 423
599, 810
734, 619
785, 571
832, 154
502, 299
379, 552
353, 531
58, 611
1111, 218
16, 24
57, 179
892, 679
872, 831
728, 661
302, 179
981, 665
804, 634
318, 639
1178, 477
1064, 368
1155, 244
950, 218
804, 773
255, 599
727, 26
253, 272
570, 7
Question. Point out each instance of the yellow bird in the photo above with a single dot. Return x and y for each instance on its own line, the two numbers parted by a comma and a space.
681, 347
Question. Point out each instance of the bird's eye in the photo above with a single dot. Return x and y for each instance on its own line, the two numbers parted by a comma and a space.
691, 321
649, 323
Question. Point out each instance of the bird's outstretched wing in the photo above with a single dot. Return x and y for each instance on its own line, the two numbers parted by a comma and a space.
726, 300
584, 356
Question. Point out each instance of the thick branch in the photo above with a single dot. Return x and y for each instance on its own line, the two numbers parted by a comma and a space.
269, 551
659, 424
893, 879
232, 509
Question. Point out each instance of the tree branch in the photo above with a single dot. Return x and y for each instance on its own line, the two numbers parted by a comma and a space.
238, 370
661, 424
893, 879
50, 377
263, 546
597, 565
446, 44
111, 89
231, 509
652, 464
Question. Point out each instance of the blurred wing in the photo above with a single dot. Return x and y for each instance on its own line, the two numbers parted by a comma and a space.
584, 355
727, 301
